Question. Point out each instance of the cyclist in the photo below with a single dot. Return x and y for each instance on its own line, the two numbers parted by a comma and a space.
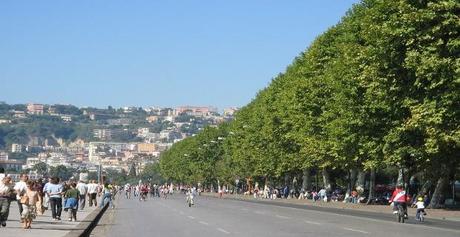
420, 208
191, 193
398, 198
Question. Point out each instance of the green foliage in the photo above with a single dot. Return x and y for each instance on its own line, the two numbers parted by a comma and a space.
152, 174
41, 168
193, 159
116, 177
62, 172
67, 109
379, 89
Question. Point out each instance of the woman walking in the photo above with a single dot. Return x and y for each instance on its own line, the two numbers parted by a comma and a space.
71, 204
29, 201
107, 195
38, 186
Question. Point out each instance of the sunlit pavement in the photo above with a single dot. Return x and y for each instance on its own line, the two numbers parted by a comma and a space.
222, 217
43, 225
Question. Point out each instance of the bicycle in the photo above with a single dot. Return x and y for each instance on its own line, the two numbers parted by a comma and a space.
190, 201
400, 214
420, 215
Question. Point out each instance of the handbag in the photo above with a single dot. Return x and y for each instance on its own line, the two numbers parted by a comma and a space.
24, 199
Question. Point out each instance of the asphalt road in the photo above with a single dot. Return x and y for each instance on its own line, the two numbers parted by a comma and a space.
218, 217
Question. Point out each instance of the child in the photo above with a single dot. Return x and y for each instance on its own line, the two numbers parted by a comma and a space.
29, 210
71, 203
420, 208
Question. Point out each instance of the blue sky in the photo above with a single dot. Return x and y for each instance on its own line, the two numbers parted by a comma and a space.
142, 53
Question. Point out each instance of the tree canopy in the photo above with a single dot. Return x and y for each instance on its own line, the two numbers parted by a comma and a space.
379, 89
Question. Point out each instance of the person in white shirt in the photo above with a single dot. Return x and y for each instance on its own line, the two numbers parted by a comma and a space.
92, 193
420, 208
20, 189
82, 187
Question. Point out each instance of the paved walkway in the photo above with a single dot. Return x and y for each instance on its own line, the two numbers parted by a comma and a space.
44, 225
443, 214
213, 217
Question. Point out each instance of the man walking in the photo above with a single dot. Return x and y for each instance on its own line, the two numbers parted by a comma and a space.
82, 188
20, 189
5, 194
92, 193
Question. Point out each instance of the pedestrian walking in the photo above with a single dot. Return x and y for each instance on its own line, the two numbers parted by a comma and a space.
71, 205
6, 192
107, 195
20, 189
92, 193
29, 201
82, 187
54, 190
38, 186
46, 196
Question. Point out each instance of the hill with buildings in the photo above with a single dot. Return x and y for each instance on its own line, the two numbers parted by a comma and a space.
82, 138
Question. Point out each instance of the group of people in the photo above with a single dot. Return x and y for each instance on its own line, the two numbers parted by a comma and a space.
142, 190
34, 197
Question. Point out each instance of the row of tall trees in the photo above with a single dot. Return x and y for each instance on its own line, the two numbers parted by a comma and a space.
379, 90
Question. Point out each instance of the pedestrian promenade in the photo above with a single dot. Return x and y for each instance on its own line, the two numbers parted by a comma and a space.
441, 214
44, 226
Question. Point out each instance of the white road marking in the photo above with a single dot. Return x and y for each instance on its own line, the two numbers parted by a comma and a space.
191, 217
244, 209
223, 231
259, 212
181, 212
312, 222
204, 223
355, 230
283, 217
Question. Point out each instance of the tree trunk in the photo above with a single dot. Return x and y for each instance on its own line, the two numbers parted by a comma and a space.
352, 173
286, 180
439, 193
424, 189
370, 199
360, 181
306, 180
326, 180
400, 180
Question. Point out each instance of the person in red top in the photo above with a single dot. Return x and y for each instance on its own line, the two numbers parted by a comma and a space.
399, 197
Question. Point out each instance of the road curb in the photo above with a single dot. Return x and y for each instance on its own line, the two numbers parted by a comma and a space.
87, 225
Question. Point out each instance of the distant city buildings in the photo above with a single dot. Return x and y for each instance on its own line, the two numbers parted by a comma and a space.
5, 121
11, 165
102, 134
195, 111
31, 162
66, 118
145, 132
146, 148
19, 114
152, 119
3, 155
230, 111
36, 109
16, 148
